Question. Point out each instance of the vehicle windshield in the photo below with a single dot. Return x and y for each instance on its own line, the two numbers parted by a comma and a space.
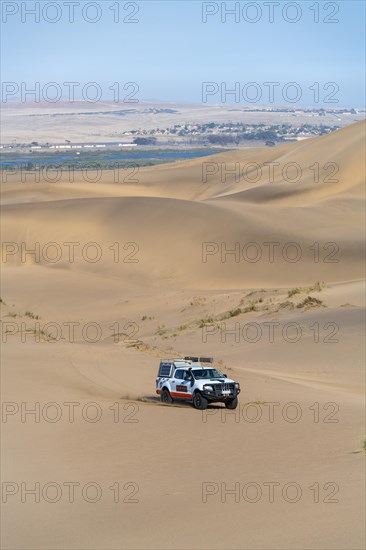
200, 374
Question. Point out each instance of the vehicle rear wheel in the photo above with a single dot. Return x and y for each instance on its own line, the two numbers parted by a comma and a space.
199, 402
232, 403
165, 397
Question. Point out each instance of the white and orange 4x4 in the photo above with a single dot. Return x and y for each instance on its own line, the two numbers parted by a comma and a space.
196, 380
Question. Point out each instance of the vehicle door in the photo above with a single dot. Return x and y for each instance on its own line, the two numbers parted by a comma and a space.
181, 384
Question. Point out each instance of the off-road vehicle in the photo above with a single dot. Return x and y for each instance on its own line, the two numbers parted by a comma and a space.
195, 379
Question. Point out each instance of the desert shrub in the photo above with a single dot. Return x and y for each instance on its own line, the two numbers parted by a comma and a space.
287, 305
31, 315
316, 287
235, 312
250, 307
197, 301
204, 322
309, 302
293, 292
161, 330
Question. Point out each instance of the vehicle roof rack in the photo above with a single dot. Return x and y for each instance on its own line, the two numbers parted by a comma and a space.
199, 359
172, 359
190, 358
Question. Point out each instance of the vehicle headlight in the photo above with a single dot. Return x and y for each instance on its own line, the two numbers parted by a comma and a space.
237, 386
208, 388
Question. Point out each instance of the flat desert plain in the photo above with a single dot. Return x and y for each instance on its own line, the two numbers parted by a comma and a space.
264, 272
85, 122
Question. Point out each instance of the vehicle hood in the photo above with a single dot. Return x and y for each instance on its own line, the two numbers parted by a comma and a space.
216, 380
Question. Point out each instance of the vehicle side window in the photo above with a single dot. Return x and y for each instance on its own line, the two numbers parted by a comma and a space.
179, 374
164, 370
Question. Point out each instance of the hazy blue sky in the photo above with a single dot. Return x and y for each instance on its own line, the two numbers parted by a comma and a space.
170, 51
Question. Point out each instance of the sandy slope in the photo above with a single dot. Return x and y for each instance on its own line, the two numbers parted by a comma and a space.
156, 307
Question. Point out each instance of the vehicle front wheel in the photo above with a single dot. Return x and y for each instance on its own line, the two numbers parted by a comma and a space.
165, 397
232, 403
199, 402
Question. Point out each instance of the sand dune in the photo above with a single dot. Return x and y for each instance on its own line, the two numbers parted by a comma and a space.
174, 208
194, 240
187, 294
